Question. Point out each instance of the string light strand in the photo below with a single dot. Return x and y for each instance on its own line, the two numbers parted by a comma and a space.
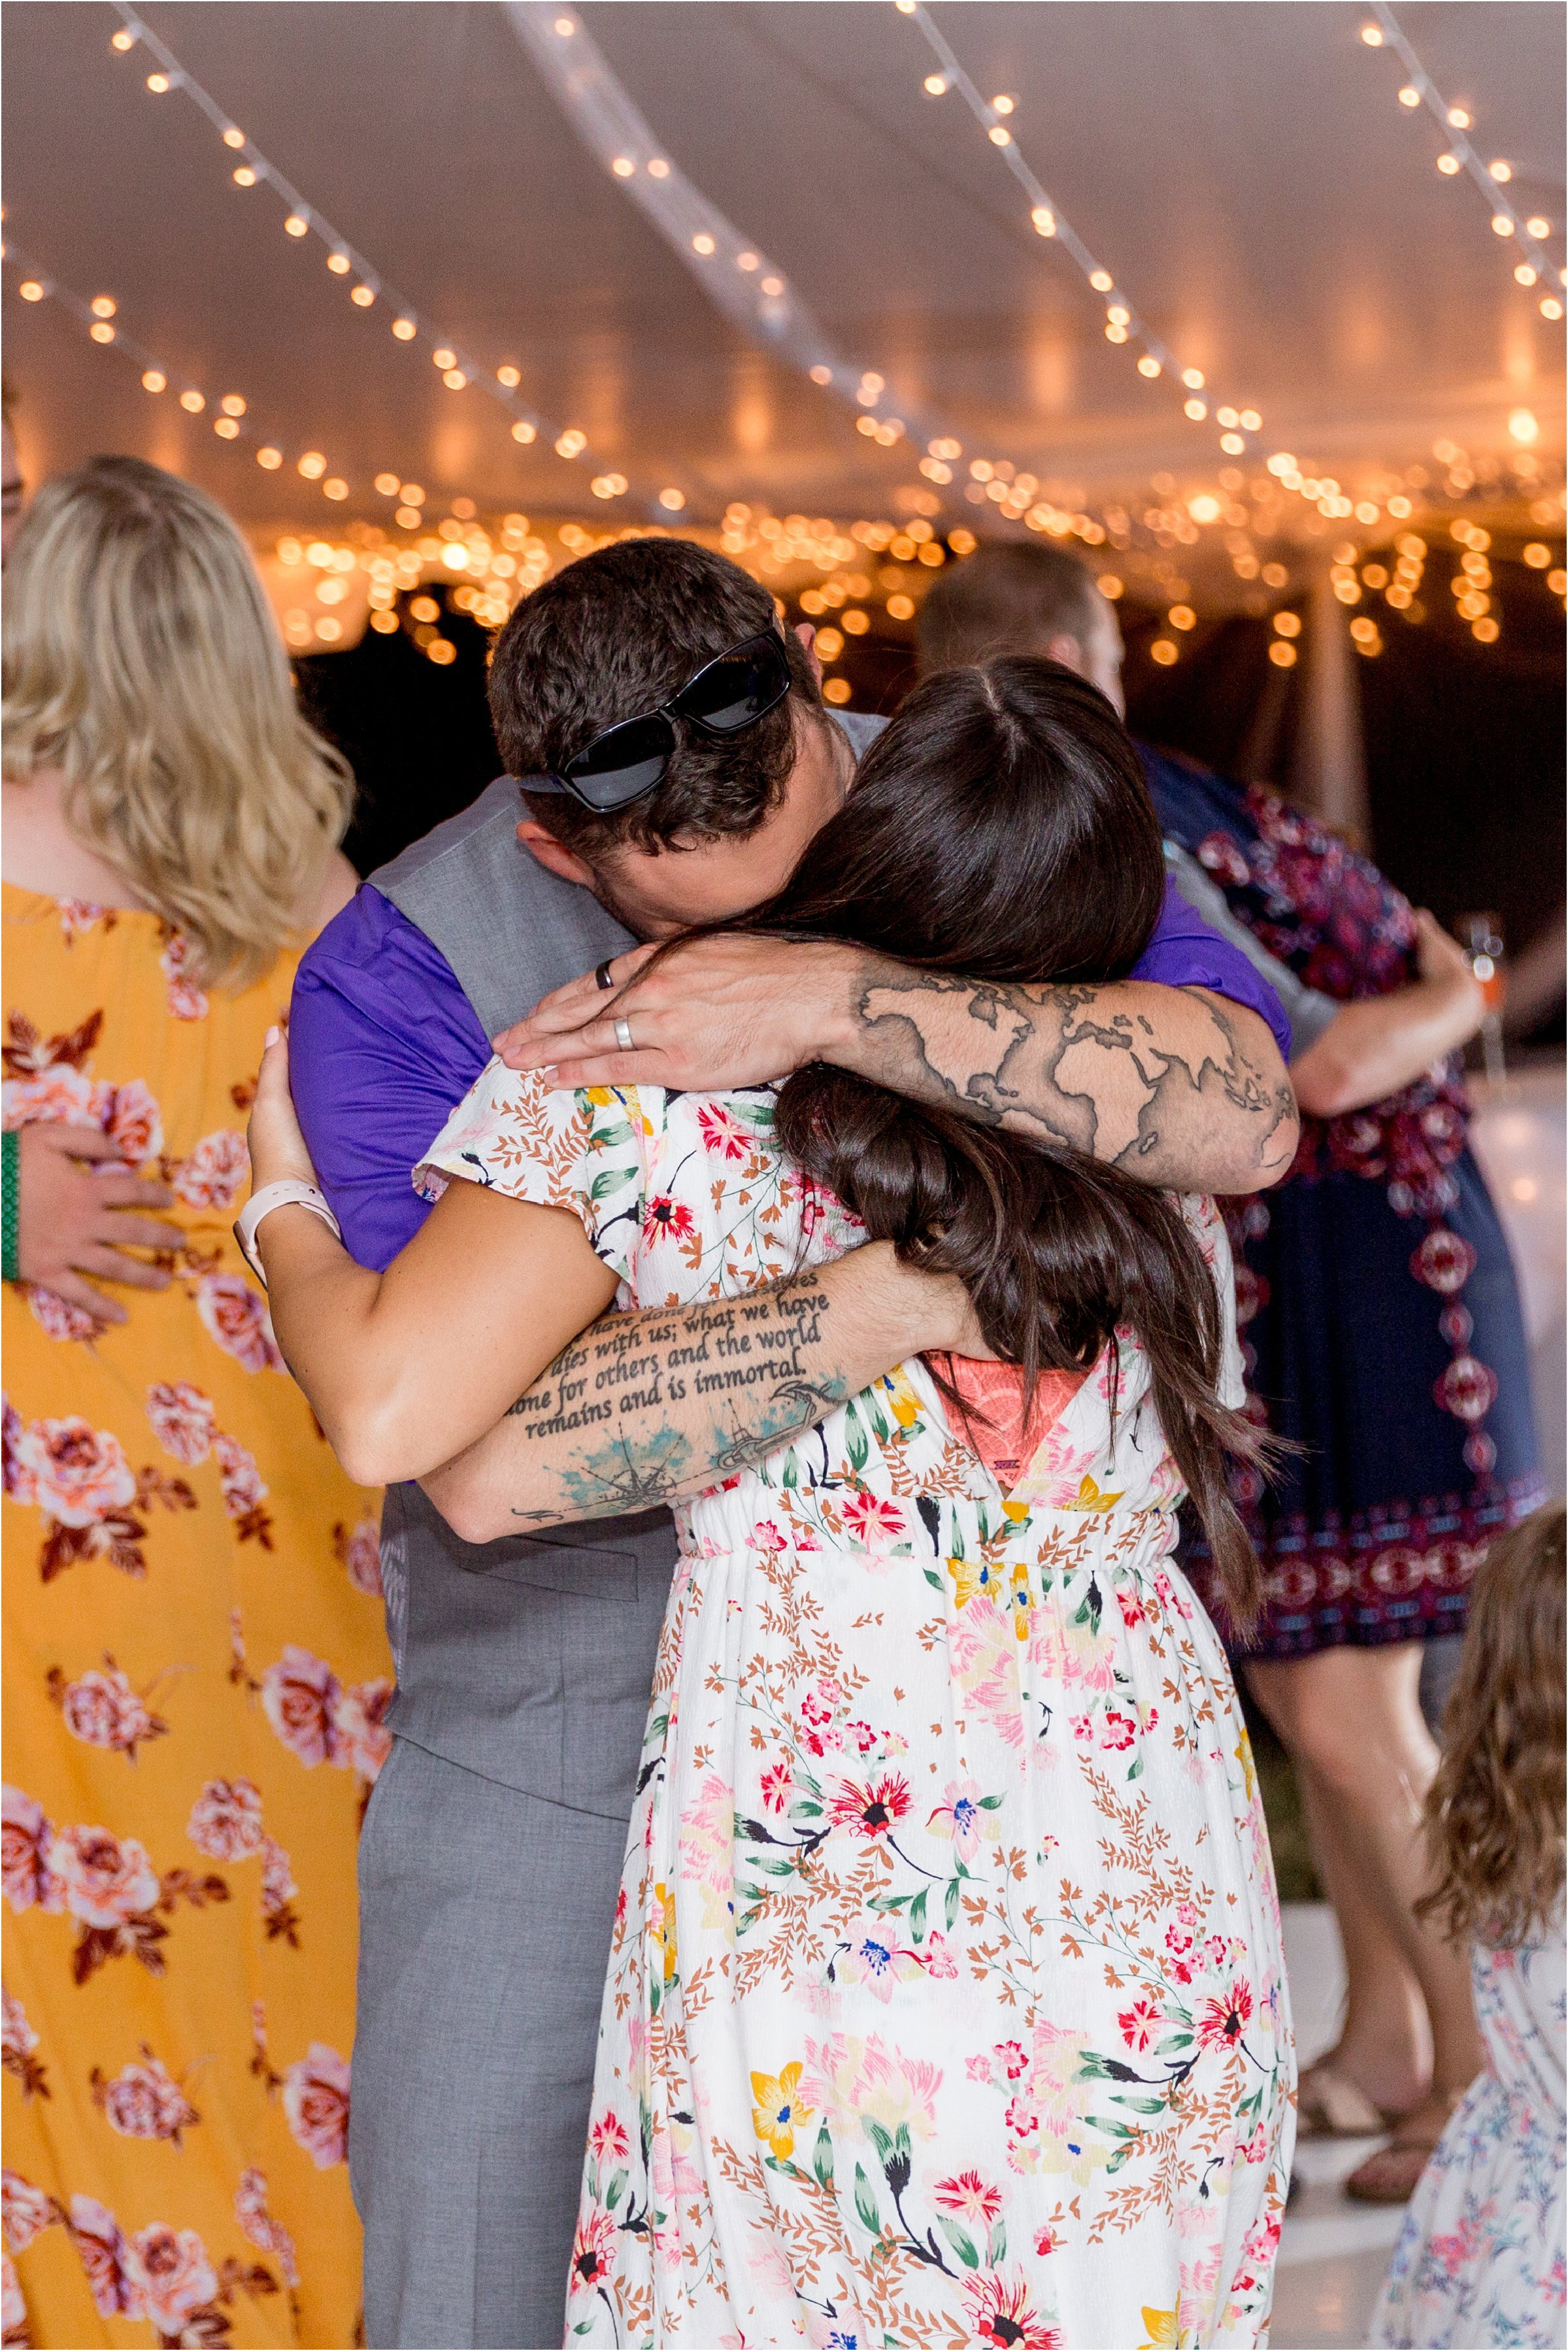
459, 367
1123, 322
1459, 155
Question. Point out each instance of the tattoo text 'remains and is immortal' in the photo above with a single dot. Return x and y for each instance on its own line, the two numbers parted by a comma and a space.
613, 1383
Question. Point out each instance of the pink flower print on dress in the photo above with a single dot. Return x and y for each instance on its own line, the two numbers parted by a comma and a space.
236, 1317
145, 2101
1001, 2313
238, 1477
278, 1891
778, 1786
359, 1719
939, 1959
57, 1317
873, 1809
106, 2255
17, 2043
300, 1696
170, 2268
360, 1548
56, 1096
77, 1475
724, 1137
593, 2254
26, 2210
259, 2227
27, 1839
878, 1523
1223, 2022
608, 2140
103, 1879
101, 1709
1139, 2023
217, 1173
225, 1820
967, 2193
79, 915
132, 1117
315, 2104
186, 1000
182, 1419
964, 1815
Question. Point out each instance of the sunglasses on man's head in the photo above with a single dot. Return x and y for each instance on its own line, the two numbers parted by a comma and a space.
725, 697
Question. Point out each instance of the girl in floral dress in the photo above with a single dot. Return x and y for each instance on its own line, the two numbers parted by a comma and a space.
195, 1668
946, 2002
1480, 2260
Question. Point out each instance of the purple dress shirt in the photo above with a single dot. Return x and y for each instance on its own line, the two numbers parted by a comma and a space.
384, 1043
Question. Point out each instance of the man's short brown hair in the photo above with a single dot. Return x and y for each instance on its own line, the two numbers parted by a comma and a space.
611, 637
1009, 598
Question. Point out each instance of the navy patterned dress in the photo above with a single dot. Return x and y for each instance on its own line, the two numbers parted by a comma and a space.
1381, 1323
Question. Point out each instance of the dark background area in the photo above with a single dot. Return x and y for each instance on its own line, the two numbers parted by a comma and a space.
1464, 742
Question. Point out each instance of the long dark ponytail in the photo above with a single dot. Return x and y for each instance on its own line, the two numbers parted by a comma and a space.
1000, 828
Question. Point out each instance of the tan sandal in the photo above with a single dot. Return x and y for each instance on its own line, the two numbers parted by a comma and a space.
1330, 2106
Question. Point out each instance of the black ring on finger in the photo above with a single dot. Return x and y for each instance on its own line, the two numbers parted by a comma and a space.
601, 972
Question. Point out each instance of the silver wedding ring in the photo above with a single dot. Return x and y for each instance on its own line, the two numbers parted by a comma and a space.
601, 973
624, 1036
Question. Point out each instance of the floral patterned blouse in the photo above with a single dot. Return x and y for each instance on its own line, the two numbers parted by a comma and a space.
946, 2002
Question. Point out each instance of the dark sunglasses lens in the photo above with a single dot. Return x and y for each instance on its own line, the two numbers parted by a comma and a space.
623, 764
733, 691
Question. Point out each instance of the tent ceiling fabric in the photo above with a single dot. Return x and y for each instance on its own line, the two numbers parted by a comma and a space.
1246, 170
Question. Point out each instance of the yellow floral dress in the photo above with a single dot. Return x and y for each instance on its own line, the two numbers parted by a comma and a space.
195, 1678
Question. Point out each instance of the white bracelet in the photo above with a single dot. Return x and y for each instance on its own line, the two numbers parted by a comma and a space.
287, 1194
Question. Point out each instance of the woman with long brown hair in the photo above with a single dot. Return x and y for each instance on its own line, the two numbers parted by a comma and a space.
946, 2000
192, 1628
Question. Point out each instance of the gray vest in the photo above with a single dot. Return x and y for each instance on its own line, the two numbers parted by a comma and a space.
529, 1660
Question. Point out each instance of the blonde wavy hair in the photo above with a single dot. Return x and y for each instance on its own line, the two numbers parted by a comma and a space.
142, 659
1495, 1810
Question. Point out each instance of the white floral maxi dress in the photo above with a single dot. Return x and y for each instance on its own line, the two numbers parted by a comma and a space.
946, 2001
1481, 2257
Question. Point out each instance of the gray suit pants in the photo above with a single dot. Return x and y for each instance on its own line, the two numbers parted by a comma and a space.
484, 1927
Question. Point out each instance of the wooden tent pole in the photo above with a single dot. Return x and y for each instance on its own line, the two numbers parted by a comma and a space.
1328, 768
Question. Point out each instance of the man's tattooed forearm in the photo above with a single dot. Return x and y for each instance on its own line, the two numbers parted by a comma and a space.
1048, 1062
652, 1406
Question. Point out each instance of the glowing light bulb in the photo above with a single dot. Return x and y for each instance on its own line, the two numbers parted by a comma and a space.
1003, 105
233, 136
387, 484
363, 296
1524, 274
821, 375
270, 459
444, 357
1502, 224
773, 287
510, 376
1538, 225
1448, 165
243, 177
1523, 428
158, 83
404, 329
1499, 170
671, 500
623, 167
998, 137
702, 242
154, 379
192, 402
102, 331
1163, 651
296, 224
1148, 365
1100, 280
1550, 308
1044, 219
658, 168
1193, 379
122, 40
1196, 409
339, 263
102, 306
1409, 95
524, 432
1459, 117
571, 442
313, 466
936, 85
454, 379
1372, 35
1205, 507
232, 404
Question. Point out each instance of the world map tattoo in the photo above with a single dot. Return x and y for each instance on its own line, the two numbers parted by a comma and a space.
645, 1407
1185, 1104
